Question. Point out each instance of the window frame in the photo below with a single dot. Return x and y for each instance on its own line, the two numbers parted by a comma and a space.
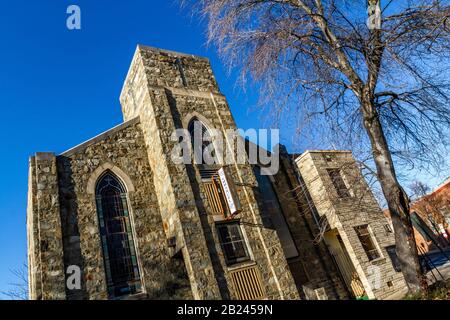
340, 179
215, 197
373, 241
233, 261
135, 285
207, 143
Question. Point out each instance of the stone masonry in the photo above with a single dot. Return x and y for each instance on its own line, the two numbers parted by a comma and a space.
378, 276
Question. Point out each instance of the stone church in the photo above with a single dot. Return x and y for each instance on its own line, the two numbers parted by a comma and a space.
139, 226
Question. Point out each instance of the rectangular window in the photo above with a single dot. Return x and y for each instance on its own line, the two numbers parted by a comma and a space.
366, 240
387, 228
232, 242
394, 258
338, 183
248, 283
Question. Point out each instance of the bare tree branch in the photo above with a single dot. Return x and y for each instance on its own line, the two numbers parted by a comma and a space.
19, 288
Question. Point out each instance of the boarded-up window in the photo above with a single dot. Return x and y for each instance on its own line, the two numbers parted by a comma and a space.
338, 183
367, 242
247, 283
214, 192
215, 198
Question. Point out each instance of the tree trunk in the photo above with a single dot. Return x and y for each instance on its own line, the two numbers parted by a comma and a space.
396, 198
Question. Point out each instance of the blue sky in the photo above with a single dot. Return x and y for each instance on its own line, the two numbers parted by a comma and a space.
60, 87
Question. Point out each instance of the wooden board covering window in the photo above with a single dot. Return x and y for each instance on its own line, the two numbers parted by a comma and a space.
247, 283
212, 194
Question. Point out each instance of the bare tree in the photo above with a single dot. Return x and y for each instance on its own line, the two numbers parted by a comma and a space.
19, 288
419, 189
384, 84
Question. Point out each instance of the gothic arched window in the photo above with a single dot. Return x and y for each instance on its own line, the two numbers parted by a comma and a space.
119, 253
201, 141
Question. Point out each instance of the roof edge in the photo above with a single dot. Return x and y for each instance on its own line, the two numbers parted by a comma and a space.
175, 53
100, 137
321, 151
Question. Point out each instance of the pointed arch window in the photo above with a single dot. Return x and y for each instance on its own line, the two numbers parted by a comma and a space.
201, 141
119, 252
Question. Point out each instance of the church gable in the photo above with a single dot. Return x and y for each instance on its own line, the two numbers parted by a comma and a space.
112, 133
121, 152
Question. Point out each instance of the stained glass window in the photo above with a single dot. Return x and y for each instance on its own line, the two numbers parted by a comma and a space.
119, 253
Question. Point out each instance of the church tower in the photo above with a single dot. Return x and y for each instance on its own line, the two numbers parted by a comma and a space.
168, 91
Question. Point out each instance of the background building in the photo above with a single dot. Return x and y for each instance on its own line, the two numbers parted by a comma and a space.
431, 219
358, 235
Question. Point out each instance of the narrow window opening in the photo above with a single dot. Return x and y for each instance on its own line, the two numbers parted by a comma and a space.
181, 71
391, 250
232, 242
338, 183
202, 145
387, 228
367, 242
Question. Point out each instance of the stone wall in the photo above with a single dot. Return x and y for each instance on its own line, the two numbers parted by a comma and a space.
34, 266
66, 184
44, 230
123, 151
